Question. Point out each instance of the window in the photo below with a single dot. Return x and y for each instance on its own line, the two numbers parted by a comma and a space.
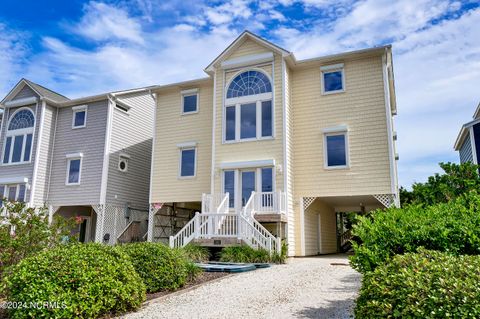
19, 137
267, 179
229, 186
123, 162
248, 107
79, 116
12, 193
189, 101
336, 150
74, 169
333, 80
187, 162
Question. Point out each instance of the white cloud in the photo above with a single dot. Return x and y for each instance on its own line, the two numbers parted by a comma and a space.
13, 50
103, 22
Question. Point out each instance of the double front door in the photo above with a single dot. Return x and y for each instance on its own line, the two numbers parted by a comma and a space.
240, 183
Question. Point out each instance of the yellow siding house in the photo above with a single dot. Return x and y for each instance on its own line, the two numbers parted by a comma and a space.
268, 148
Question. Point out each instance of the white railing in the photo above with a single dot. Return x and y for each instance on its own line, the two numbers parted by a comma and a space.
185, 235
219, 223
269, 202
211, 202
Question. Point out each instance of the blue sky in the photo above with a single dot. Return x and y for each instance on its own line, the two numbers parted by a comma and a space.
86, 47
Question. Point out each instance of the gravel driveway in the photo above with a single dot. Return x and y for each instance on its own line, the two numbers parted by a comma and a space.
303, 288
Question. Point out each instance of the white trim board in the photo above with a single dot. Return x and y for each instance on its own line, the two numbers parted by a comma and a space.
21, 102
13, 180
247, 164
247, 60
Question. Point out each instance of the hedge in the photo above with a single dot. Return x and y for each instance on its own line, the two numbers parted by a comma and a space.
160, 267
247, 254
452, 227
427, 284
78, 280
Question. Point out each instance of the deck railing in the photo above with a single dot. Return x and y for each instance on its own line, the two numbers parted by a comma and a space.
269, 202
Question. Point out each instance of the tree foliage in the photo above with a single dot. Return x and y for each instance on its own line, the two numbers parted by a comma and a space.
456, 180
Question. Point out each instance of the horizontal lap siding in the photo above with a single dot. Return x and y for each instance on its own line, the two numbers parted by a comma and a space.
362, 108
173, 128
466, 154
91, 142
46, 147
20, 170
252, 150
131, 134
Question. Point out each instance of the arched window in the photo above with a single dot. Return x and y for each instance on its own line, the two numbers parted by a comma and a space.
248, 107
19, 137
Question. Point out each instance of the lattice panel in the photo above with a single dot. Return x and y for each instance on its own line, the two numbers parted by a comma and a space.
99, 210
307, 201
154, 208
114, 222
387, 200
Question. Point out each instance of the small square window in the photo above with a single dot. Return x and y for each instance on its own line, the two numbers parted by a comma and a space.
79, 116
189, 101
333, 79
187, 162
336, 153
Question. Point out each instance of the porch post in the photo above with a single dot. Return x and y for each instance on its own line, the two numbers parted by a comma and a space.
151, 221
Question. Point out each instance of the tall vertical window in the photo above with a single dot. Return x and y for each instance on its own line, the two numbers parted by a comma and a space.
248, 107
336, 150
19, 137
74, 169
229, 186
333, 78
190, 101
2, 194
187, 162
267, 179
79, 116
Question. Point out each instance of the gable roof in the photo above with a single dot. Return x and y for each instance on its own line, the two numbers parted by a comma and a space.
38, 89
476, 115
239, 40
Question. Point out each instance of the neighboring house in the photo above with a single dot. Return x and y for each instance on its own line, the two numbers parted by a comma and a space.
268, 147
468, 140
87, 157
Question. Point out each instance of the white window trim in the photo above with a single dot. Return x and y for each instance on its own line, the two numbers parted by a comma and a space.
70, 158
238, 122
13, 133
77, 109
181, 149
17, 191
186, 93
330, 69
330, 132
126, 158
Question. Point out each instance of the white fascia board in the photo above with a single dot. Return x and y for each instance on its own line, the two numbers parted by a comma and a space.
331, 67
335, 129
247, 60
21, 102
80, 107
74, 155
13, 180
191, 91
187, 144
247, 164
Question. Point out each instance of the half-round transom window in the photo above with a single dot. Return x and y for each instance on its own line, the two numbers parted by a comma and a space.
21, 120
249, 83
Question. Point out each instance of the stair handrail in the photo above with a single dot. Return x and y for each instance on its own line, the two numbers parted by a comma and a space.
186, 234
249, 208
126, 228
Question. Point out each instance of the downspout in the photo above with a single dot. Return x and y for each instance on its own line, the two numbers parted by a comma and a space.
37, 151
51, 156
152, 157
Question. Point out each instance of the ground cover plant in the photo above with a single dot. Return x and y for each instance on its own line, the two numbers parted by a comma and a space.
247, 254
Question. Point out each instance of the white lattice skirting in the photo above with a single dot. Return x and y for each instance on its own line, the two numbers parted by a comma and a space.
388, 200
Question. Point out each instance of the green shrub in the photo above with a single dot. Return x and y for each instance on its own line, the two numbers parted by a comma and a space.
452, 227
160, 267
86, 280
427, 284
26, 231
247, 254
196, 253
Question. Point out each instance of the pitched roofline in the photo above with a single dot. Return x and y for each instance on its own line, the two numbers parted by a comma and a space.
183, 83
380, 49
45, 88
477, 111
461, 134
254, 37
